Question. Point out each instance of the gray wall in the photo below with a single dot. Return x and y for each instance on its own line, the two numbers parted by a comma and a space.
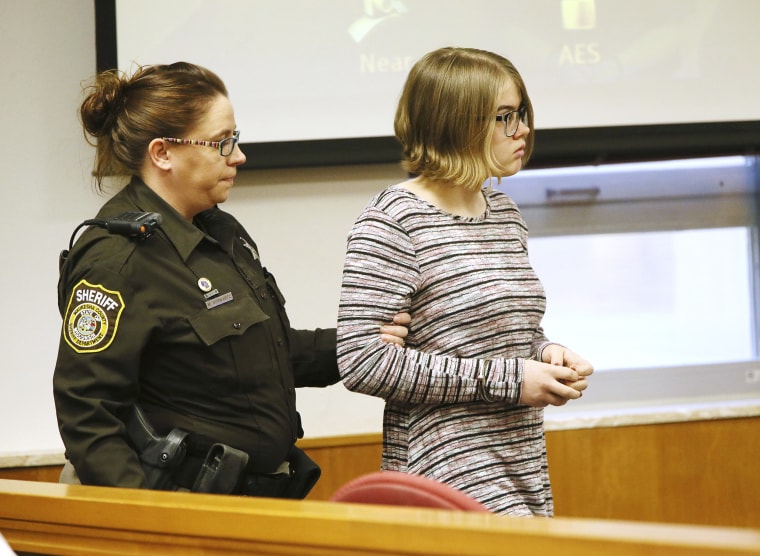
48, 47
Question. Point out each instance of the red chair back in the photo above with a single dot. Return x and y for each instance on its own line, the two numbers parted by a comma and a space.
403, 489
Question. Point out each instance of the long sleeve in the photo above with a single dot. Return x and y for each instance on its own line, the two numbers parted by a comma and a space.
95, 386
314, 358
380, 276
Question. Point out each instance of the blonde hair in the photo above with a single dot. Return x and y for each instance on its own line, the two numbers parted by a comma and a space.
122, 114
446, 115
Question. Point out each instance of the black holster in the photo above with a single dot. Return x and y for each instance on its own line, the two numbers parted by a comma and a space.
159, 455
162, 457
167, 466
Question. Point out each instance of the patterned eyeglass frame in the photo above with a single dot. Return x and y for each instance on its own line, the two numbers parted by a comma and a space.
221, 145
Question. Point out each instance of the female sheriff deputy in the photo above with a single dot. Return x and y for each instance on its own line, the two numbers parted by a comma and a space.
177, 364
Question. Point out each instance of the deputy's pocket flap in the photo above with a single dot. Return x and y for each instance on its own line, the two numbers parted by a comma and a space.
232, 318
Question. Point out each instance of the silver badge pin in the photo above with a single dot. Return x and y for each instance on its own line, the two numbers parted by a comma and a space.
204, 284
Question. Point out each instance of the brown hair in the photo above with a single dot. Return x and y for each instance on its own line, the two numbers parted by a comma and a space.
446, 115
122, 114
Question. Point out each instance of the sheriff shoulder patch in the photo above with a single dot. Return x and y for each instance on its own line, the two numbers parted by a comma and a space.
92, 317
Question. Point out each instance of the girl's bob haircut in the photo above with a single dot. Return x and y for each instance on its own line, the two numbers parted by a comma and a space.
445, 117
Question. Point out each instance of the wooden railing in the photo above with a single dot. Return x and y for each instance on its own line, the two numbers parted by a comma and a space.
50, 518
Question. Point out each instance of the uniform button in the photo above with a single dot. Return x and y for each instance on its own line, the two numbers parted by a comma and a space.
236, 325
279, 341
263, 295
291, 391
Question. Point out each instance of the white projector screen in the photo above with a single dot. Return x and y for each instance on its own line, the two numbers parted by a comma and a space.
608, 78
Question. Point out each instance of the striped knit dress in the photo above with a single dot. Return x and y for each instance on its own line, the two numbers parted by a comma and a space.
451, 393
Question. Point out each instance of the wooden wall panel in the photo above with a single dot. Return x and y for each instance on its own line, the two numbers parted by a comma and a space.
342, 459
47, 474
700, 472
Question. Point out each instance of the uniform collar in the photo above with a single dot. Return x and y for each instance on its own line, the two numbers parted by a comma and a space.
182, 234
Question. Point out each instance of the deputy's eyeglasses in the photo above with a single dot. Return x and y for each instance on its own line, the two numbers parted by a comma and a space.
225, 146
512, 120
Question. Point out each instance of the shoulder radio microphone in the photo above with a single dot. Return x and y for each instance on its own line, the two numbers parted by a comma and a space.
133, 224
136, 224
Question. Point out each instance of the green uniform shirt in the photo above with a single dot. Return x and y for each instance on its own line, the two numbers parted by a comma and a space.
188, 324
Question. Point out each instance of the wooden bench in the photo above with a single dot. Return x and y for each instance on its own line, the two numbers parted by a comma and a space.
51, 518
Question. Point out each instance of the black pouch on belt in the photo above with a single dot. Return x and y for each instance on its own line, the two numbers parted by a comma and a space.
222, 470
304, 474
